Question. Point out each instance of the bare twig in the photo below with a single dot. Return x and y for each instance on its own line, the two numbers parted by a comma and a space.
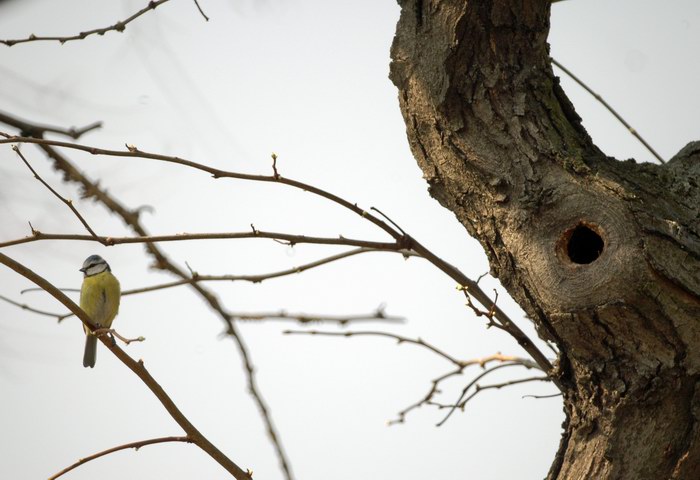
201, 11
126, 446
377, 316
473, 382
609, 108
388, 220
137, 367
37, 289
134, 152
35, 130
420, 342
196, 277
274, 165
505, 360
479, 388
104, 331
479, 312
427, 399
294, 239
499, 357
117, 27
405, 241
67, 202
26, 307
543, 396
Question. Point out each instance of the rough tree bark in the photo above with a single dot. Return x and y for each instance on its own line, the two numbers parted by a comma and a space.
603, 255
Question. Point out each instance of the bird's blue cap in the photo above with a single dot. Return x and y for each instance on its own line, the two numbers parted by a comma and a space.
91, 261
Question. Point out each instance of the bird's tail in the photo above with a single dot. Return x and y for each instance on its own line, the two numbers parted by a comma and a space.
90, 354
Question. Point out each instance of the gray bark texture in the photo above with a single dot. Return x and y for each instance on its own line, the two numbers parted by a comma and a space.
603, 255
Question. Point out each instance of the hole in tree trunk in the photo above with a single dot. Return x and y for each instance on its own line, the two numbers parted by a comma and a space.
584, 244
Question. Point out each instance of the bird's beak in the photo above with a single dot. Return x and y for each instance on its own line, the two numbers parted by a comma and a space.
82, 270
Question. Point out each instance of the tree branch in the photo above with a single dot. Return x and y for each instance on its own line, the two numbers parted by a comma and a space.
505, 360
379, 315
427, 399
133, 152
131, 218
117, 27
342, 320
26, 307
478, 389
398, 338
137, 367
67, 202
473, 382
609, 108
179, 237
206, 19
404, 241
126, 446
259, 278
36, 130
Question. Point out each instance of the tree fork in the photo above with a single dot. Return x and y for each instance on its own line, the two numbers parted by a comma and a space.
603, 255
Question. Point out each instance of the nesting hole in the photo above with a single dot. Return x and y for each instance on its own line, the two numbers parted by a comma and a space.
584, 244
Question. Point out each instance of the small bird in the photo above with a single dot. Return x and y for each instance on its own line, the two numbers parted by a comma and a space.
99, 298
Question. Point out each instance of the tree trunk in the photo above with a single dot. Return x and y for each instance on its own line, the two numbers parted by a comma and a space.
603, 255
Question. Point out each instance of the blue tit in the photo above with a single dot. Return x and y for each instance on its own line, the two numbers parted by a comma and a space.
99, 298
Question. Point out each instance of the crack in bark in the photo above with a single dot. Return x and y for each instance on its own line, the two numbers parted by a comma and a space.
681, 455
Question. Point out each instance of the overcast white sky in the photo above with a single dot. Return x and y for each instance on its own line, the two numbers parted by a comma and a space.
306, 79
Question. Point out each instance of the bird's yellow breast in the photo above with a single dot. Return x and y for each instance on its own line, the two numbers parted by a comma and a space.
99, 298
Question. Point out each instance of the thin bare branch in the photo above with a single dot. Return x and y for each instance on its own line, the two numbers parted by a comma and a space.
543, 396
67, 202
609, 108
293, 239
117, 27
26, 307
37, 289
377, 316
434, 388
133, 152
479, 312
473, 382
405, 241
479, 388
131, 218
196, 277
427, 399
37, 130
275, 173
201, 11
461, 364
126, 446
105, 331
396, 226
420, 342
137, 367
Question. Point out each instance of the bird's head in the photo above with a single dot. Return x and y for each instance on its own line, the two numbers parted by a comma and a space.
93, 265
